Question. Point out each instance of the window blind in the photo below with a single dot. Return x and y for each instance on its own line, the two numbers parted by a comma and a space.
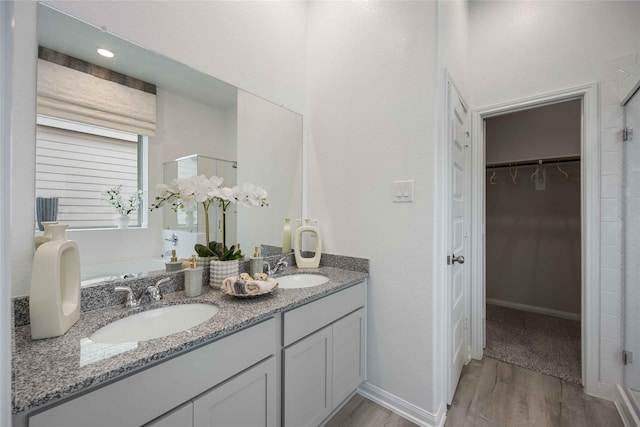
77, 167
69, 94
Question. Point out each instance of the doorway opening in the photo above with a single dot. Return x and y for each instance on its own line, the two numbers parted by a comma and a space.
589, 184
533, 238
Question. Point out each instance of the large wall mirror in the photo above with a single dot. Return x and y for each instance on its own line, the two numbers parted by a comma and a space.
196, 115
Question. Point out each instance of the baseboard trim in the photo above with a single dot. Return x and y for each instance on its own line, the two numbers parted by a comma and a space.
534, 309
403, 408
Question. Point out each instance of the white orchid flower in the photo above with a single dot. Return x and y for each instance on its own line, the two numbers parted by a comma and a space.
216, 181
188, 201
227, 194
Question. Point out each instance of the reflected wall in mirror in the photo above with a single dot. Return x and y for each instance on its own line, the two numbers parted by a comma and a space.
195, 113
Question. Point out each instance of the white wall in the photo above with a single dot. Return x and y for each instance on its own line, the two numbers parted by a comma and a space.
371, 121
518, 49
6, 80
522, 49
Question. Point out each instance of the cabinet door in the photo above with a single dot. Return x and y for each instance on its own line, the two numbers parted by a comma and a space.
348, 355
307, 380
179, 417
248, 399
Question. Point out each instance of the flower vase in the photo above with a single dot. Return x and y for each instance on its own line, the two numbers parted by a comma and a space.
122, 220
190, 219
220, 270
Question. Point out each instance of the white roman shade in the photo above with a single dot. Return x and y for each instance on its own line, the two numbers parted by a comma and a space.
73, 95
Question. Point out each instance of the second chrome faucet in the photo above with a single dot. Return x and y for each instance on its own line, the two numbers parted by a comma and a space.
144, 296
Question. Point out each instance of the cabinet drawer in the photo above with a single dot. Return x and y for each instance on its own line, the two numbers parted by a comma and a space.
304, 320
129, 402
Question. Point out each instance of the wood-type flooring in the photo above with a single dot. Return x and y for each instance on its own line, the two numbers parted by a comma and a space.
497, 394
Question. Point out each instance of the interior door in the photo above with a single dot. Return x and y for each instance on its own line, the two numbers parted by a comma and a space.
458, 277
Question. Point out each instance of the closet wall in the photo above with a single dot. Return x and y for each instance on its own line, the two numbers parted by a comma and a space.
533, 248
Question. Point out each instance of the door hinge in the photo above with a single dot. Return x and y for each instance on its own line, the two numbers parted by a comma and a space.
627, 134
466, 323
627, 357
466, 139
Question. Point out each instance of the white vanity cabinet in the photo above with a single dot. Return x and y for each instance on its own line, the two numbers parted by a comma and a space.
181, 416
148, 394
242, 401
247, 399
324, 356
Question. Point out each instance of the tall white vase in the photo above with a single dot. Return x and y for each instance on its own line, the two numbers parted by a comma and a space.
286, 236
54, 301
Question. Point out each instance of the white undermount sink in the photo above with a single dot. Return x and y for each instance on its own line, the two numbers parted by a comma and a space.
155, 323
295, 281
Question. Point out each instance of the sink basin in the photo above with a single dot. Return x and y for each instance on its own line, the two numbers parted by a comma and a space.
155, 323
295, 281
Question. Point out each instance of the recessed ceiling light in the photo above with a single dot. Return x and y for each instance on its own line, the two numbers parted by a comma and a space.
106, 53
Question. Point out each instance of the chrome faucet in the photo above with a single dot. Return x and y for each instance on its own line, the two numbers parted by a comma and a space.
173, 239
143, 298
280, 265
156, 291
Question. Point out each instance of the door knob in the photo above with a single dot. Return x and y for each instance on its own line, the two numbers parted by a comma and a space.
453, 259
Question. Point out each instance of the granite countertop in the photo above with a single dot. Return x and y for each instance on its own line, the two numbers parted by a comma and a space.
49, 369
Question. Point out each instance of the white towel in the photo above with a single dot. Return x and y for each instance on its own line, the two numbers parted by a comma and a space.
251, 287
254, 287
227, 284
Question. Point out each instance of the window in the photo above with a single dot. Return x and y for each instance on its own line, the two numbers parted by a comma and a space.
77, 163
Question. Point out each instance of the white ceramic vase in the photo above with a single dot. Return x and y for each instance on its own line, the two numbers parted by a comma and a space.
122, 220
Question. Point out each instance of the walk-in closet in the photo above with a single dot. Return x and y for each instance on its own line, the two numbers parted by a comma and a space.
533, 239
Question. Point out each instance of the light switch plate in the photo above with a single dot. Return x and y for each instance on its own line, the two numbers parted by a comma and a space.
402, 191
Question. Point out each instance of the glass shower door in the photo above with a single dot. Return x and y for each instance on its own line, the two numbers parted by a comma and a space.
631, 204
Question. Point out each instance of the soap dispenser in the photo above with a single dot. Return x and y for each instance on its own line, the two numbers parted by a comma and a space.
256, 263
193, 279
174, 264
54, 301
307, 262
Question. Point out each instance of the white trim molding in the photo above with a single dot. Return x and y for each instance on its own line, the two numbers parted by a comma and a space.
403, 408
590, 192
535, 309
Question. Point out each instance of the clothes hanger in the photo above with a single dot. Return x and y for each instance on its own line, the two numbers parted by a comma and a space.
537, 176
514, 175
566, 175
492, 179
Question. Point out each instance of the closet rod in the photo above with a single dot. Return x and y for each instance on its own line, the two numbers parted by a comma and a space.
551, 161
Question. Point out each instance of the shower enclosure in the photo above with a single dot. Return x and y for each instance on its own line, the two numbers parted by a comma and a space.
629, 83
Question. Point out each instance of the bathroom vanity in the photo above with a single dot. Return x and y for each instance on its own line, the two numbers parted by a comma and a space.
286, 359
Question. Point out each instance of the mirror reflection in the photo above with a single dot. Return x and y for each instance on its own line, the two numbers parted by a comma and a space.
198, 119
192, 220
